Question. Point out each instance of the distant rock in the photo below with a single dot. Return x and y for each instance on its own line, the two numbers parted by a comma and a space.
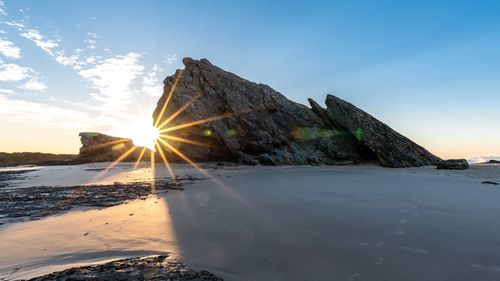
35, 158
453, 164
97, 147
491, 162
490, 182
263, 126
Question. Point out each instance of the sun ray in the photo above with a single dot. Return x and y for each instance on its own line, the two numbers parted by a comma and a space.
153, 180
167, 101
194, 123
139, 158
184, 157
184, 140
114, 163
202, 121
205, 173
179, 111
108, 143
165, 161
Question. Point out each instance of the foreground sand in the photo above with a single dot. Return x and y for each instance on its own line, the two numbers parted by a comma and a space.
280, 223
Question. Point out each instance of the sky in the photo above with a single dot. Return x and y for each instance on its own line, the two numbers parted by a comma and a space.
428, 69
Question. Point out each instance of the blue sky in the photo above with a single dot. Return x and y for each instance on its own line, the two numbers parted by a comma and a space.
429, 69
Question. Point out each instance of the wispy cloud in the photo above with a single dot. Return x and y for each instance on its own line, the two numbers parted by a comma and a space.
13, 72
9, 50
169, 59
17, 110
34, 85
151, 83
19, 26
41, 41
112, 79
73, 60
91, 40
2, 9
6, 92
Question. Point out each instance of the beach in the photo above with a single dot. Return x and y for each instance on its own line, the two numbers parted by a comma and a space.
272, 223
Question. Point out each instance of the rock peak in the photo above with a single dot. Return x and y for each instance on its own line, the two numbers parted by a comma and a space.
187, 61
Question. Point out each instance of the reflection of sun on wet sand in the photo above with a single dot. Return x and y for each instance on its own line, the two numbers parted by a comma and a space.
141, 227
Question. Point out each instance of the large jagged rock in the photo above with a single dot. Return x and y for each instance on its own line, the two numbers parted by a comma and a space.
97, 147
390, 148
261, 125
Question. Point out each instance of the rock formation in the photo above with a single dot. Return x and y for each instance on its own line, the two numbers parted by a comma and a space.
453, 164
251, 123
97, 147
390, 148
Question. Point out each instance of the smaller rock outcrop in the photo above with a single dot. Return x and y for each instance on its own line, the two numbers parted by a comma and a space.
490, 182
97, 147
491, 162
453, 164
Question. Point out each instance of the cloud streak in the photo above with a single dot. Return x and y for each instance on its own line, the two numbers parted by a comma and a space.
9, 50
112, 80
12, 72
34, 85
41, 41
16, 110
151, 84
2, 9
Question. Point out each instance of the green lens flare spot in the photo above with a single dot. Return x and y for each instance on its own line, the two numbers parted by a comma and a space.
231, 133
359, 134
207, 132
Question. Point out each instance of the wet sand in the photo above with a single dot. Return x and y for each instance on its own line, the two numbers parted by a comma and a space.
285, 223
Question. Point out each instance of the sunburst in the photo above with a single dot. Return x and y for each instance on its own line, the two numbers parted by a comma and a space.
160, 137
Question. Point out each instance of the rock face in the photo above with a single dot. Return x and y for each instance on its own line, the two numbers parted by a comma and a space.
97, 147
390, 148
252, 123
453, 164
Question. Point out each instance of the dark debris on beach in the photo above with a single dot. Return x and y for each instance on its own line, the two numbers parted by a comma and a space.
32, 203
146, 268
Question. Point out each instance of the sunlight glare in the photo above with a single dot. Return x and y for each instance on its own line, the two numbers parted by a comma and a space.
141, 132
145, 136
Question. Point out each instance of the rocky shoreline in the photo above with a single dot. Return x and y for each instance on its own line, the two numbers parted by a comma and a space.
143, 268
33, 203
11, 175
25, 204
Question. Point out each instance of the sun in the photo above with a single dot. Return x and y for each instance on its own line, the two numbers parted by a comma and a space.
140, 130
144, 136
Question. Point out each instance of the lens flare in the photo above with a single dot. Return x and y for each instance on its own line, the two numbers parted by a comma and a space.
153, 136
